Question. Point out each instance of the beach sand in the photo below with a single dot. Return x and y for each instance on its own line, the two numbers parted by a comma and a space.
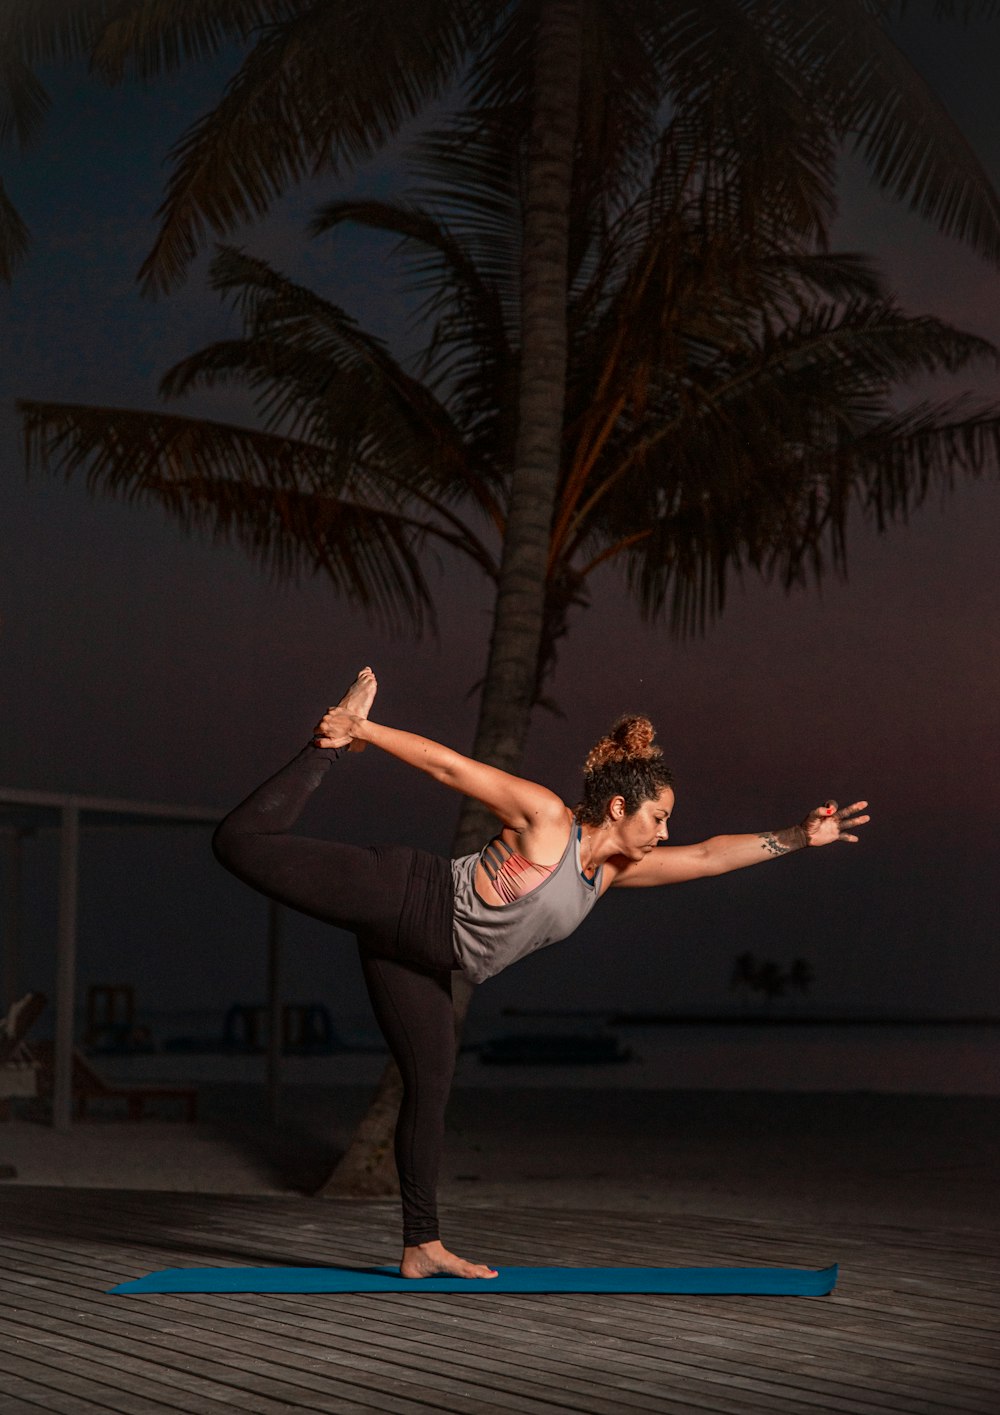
830, 1158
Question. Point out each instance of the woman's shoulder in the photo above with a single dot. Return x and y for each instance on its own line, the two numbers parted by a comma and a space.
544, 841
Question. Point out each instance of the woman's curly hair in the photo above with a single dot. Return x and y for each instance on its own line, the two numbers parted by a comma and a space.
624, 763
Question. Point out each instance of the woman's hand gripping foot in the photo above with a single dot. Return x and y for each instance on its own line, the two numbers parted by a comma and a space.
434, 1260
335, 727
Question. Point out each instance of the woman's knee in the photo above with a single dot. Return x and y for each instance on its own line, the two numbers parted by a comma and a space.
236, 850
224, 843
427, 1091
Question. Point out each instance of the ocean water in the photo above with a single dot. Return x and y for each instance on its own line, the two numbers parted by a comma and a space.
938, 1059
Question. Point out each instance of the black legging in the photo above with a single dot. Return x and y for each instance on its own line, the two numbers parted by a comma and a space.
398, 901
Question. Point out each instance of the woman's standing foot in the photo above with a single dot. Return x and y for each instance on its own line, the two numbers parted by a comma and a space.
434, 1260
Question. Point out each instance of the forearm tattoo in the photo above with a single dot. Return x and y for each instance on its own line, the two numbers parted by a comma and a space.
780, 842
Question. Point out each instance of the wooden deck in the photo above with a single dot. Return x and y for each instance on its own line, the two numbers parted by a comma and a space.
912, 1326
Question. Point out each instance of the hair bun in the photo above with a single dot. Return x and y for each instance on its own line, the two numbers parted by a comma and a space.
631, 738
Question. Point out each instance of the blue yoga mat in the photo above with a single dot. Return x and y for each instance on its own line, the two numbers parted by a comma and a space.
786, 1282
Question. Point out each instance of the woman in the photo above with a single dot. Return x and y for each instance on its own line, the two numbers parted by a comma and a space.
418, 916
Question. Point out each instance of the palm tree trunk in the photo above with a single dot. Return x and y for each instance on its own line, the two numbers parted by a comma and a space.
511, 673
512, 666
367, 1169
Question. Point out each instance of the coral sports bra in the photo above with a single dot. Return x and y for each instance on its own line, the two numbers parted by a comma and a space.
489, 937
511, 874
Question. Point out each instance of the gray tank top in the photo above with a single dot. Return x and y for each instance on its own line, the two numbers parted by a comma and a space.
489, 937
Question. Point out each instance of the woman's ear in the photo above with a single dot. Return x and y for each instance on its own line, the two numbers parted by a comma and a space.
616, 808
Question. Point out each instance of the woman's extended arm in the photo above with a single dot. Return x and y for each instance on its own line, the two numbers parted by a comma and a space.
523, 805
671, 864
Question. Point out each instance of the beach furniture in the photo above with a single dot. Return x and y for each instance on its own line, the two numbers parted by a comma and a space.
111, 1028
88, 1085
307, 1029
18, 1070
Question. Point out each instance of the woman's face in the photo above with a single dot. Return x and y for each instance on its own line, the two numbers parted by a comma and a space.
645, 828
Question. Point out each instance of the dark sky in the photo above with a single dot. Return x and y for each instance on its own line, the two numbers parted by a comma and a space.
140, 663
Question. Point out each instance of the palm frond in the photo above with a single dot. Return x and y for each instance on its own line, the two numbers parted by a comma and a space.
467, 357
329, 86
869, 346
882, 104
734, 76
620, 95
261, 492
452, 265
925, 449
468, 183
790, 523
835, 275
31, 33
801, 380
14, 238
23, 100
37, 32
315, 373
145, 38
766, 486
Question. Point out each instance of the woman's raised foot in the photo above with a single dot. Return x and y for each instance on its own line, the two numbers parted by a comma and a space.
358, 699
356, 702
360, 695
434, 1260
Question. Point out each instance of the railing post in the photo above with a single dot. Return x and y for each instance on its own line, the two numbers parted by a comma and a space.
274, 1010
69, 861
11, 917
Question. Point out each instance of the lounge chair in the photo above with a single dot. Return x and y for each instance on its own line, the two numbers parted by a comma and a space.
88, 1084
18, 1071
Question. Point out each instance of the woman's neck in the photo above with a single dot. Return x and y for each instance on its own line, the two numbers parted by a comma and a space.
597, 844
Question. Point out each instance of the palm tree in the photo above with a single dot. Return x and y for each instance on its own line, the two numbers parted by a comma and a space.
727, 420
729, 397
30, 35
575, 87
579, 86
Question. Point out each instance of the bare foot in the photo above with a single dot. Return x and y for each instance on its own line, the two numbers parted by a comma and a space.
434, 1260
357, 701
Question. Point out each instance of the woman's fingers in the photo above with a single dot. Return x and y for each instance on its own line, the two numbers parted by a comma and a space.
830, 822
849, 820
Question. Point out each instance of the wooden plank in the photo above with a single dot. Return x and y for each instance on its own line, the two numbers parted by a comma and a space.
146, 1264
730, 1242
172, 1385
20, 1396
895, 1333
351, 1326
755, 1352
938, 1301
770, 1359
659, 1393
357, 1351
47, 1377
358, 1355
